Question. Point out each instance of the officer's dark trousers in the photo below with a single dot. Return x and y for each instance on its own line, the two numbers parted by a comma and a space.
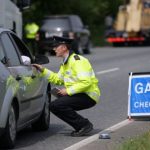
65, 108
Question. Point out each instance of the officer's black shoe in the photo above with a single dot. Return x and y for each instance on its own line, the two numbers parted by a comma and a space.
83, 131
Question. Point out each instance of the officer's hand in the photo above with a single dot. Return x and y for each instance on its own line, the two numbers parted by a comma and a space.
38, 67
63, 92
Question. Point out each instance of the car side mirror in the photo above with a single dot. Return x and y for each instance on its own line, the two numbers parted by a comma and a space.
41, 59
26, 60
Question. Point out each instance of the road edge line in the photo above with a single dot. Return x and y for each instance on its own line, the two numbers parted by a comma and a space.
94, 137
107, 71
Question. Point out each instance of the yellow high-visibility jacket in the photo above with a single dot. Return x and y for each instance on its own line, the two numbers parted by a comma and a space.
77, 75
31, 29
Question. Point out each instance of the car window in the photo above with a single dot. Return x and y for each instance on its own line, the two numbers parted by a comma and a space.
56, 23
10, 50
21, 47
76, 22
3, 58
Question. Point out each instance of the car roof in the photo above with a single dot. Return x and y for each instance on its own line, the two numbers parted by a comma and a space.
3, 30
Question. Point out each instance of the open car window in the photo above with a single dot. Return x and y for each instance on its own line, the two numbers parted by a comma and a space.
23, 50
10, 51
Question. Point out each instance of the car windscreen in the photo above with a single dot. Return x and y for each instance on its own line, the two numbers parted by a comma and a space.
56, 24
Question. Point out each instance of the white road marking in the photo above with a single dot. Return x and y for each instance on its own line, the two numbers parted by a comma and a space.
119, 125
107, 71
94, 137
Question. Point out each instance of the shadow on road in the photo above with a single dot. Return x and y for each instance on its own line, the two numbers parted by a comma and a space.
29, 137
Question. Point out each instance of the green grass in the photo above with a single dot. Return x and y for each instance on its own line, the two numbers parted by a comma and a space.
138, 143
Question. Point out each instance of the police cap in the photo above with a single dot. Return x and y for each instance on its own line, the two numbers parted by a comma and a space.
56, 41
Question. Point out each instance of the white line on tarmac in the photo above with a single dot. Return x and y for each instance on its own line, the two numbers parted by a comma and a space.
107, 71
94, 137
119, 125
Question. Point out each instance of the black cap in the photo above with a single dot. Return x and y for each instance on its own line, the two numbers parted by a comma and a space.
56, 40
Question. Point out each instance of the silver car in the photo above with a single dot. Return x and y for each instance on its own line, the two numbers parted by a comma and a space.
24, 94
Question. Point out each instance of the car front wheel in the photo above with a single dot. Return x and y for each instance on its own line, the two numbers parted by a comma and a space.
86, 50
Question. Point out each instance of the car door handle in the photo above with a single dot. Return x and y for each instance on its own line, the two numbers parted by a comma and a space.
18, 78
33, 76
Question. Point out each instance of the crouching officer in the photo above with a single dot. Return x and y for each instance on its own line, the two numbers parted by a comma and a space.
80, 87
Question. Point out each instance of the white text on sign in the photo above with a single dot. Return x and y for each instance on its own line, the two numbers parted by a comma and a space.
140, 88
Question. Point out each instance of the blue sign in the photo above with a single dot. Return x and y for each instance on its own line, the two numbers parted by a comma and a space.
139, 95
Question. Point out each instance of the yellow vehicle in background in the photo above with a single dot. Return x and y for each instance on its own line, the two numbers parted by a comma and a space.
132, 24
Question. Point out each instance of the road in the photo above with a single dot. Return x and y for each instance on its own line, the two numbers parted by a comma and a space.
112, 67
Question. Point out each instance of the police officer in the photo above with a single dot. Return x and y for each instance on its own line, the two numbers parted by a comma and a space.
80, 90
31, 30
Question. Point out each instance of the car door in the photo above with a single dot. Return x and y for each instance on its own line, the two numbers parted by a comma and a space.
24, 75
36, 85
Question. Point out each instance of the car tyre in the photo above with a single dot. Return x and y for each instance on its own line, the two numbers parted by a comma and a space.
86, 51
9, 137
43, 122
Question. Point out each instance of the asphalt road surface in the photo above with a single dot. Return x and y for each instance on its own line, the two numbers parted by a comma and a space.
112, 67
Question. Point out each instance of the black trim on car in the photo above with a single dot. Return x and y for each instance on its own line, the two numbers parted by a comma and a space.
31, 99
1, 131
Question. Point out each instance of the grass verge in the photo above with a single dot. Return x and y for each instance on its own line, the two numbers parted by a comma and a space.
139, 143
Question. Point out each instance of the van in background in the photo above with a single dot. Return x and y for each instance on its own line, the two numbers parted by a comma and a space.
11, 14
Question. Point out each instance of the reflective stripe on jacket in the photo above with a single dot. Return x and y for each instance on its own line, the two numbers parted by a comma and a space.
77, 76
